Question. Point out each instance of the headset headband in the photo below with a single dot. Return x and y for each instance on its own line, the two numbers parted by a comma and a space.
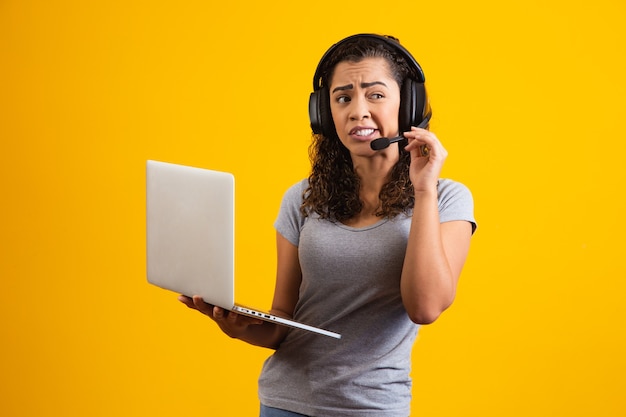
417, 69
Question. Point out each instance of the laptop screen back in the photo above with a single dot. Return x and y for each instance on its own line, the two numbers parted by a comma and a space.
190, 231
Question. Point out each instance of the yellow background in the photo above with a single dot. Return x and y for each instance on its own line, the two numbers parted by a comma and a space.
528, 98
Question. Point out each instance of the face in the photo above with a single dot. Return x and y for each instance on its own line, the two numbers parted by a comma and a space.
364, 102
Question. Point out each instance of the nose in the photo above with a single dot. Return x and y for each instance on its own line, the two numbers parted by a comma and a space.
359, 109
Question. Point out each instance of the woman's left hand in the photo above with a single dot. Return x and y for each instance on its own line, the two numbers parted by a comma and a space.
427, 158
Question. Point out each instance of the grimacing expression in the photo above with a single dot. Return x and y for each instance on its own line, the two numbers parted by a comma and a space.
364, 103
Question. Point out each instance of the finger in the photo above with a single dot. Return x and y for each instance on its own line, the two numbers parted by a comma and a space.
418, 129
424, 134
232, 317
424, 141
186, 301
218, 313
201, 306
247, 320
423, 149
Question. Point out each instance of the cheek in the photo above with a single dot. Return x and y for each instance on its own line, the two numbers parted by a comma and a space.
338, 118
335, 112
391, 116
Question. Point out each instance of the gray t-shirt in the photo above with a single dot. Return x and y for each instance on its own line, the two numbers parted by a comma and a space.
350, 285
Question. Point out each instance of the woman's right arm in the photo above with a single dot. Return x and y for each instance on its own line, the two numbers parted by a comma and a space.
256, 331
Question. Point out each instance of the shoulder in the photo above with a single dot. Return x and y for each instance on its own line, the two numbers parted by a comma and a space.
290, 220
295, 193
455, 202
450, 189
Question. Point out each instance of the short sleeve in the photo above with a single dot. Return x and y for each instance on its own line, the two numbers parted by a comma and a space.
455, 202
290, 221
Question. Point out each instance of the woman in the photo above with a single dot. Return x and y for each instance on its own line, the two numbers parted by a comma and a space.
371, 245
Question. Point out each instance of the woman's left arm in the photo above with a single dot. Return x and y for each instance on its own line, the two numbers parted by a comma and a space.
436, 251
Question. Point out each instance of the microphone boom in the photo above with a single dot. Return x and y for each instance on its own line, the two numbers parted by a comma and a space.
383, 143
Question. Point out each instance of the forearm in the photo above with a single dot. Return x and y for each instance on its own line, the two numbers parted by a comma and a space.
428, 285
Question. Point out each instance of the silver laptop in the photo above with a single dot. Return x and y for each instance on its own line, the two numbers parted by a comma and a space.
190, 231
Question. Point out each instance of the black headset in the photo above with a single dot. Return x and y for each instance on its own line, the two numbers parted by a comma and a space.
414, 106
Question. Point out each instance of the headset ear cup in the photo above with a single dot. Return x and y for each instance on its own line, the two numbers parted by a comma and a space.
319, 114
314, 113
325, 115
427, 112
407, 113
413, 105
422, 109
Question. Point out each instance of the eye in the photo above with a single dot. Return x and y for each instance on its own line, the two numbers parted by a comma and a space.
343, 99
377, 96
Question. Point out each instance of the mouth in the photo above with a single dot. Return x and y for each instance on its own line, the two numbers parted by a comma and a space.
362, 132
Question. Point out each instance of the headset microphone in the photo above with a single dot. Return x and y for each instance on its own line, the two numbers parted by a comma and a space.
383, 143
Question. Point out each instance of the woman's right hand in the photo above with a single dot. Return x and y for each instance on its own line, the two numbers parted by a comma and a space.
233, 324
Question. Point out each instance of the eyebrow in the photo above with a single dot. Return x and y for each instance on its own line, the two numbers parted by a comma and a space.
363, 85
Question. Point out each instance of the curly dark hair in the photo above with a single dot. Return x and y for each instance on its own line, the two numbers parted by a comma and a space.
333, 190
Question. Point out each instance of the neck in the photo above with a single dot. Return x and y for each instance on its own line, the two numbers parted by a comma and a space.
374, 172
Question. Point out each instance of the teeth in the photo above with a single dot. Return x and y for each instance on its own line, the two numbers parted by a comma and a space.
364, 132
